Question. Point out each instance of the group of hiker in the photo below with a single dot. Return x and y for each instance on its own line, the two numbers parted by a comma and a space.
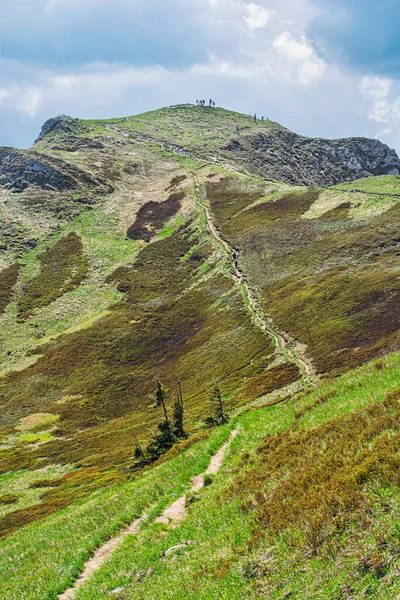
211, 103
235, 259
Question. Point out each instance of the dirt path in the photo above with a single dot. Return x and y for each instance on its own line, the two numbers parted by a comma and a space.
99, 558
263, 321
178, 510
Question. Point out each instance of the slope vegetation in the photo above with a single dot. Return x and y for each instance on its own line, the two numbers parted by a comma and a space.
168, 257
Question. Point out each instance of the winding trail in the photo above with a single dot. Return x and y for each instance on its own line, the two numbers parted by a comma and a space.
176, 512
264, 322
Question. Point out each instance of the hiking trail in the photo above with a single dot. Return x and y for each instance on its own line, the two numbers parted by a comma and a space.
175, 512
294, 352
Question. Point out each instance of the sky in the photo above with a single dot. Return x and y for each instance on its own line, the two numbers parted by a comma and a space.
323, 68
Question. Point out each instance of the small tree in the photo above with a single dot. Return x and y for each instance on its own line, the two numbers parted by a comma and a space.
160, 401
177, 427
218, 415
140, 459
163, 438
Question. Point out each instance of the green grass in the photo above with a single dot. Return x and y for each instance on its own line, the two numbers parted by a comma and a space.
199, 128
384, 184
90, 523
20, 483
219, 562
327, 268
228, 556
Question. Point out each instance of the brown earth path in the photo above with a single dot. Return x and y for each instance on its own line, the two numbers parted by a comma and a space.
177, 511
264, 322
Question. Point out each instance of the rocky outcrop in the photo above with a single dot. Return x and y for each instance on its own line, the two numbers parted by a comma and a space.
281, 155
62, 123
21, 168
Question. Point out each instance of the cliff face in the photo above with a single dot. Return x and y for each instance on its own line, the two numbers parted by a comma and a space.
22, 168
284, 156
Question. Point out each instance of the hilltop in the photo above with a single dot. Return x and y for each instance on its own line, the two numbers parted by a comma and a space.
118, 243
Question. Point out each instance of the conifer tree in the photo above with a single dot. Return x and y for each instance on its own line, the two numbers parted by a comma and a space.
177, 427
218, 414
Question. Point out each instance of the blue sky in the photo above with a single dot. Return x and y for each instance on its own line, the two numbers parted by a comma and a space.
320, 67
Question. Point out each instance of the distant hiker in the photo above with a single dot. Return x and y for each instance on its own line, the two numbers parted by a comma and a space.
213, 104
255, 118
197, 102
262, 118
210, 102
234, 255
237, 128
235, 262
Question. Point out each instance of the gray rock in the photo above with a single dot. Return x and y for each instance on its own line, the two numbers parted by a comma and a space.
60, 123
21, 168
281, 155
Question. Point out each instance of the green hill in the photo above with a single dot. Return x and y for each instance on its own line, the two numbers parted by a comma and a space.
117, 271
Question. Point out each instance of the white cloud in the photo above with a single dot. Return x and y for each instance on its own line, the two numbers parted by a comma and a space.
3, 94
297, 59
30, 101
381, 104
51, 5
376, 91
256, 16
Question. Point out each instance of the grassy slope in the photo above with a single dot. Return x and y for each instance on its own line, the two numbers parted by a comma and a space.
231, 556
181, 316
201, 129
92, 356
327, 265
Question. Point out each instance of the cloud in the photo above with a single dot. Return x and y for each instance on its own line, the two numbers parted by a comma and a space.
30, 100
296, 59
256, 16
362, 34
381, 97
96, 59
51, 5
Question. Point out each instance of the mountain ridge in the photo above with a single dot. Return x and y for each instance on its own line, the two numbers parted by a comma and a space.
166, 259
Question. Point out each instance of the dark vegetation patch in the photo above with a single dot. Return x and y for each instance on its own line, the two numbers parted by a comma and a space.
227, 198
8, 499
346, 318
63, 267
176, 181
74, 486
288, 207
269, 380
339, 212
316, 481
153, 215
330, 282
8, 279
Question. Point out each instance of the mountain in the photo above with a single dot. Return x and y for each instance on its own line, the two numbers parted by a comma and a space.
119, 240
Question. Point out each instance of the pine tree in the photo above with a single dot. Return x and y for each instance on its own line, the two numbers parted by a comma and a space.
177, 427
218, 414
164, 438
160, 401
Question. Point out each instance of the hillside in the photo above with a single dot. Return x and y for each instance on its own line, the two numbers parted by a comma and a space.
117, 271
